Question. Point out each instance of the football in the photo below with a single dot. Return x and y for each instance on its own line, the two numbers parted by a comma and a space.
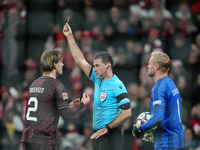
143, 118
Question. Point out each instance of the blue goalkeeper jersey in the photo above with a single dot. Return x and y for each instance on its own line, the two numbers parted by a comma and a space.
108, 97
165, 98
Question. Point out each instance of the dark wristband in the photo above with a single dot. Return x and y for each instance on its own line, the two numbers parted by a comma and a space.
107, 126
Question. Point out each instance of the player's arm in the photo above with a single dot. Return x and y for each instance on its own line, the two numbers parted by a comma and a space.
74, 107
76, 52
158, 117
159, 106
124, 114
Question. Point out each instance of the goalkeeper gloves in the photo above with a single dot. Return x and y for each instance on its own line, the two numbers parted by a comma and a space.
148, 137
136, 131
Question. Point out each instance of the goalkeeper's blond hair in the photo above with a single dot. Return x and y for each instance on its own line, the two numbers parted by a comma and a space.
162, 59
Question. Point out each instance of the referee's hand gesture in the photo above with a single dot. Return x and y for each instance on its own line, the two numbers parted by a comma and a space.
67, 30
99, 133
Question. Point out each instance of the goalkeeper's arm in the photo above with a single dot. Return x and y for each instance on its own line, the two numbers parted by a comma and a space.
158, 117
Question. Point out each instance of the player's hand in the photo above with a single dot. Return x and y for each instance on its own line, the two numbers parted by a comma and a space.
85, 99
136, 131
74, 103
99, 133
148, 137
67, 30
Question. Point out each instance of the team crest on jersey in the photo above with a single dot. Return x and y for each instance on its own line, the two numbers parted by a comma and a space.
65, 96
120, 87
103, 96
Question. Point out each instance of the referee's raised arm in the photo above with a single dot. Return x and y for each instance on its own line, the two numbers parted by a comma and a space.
75, 50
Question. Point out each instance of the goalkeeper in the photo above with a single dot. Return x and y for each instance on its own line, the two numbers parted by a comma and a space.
165, 104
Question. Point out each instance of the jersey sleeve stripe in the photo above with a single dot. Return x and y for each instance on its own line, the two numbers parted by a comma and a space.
63, 107
159, 107
121, 97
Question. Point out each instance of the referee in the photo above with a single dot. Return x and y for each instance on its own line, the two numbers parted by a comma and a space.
111, 104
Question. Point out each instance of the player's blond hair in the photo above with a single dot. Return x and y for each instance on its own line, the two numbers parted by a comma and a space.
162, 59
48, 58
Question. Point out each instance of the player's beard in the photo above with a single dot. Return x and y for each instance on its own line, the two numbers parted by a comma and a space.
151, 74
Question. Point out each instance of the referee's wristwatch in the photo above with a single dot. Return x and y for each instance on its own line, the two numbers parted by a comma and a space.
107, 126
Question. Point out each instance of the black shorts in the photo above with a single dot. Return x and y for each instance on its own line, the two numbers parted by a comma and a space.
111, 141
34, 146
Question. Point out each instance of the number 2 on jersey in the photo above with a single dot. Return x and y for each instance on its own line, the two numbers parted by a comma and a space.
32, 109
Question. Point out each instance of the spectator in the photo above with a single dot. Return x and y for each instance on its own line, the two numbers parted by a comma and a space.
191, 141
86, 143
60, 42
177, 69
30, 73
153, 42
112, 51
76, 81
196, 91
134, 56
91, 19
122, 69
195, 120
109, 34
180, 49
10, 136
185, 91
182, 18
50, 41
10, 48
146, 25
99, 42
115, 15
75, 18
196, 15
159, 13
72, 136
194, 58
7, 102
167, 36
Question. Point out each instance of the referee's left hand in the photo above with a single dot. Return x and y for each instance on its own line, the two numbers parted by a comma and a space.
99, 133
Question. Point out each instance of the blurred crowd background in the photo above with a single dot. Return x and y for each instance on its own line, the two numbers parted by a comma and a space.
128, 29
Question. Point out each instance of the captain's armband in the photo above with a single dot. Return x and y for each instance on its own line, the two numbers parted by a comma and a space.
125, 106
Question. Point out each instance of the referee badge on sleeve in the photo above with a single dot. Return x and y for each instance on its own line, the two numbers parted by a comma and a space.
103, 96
